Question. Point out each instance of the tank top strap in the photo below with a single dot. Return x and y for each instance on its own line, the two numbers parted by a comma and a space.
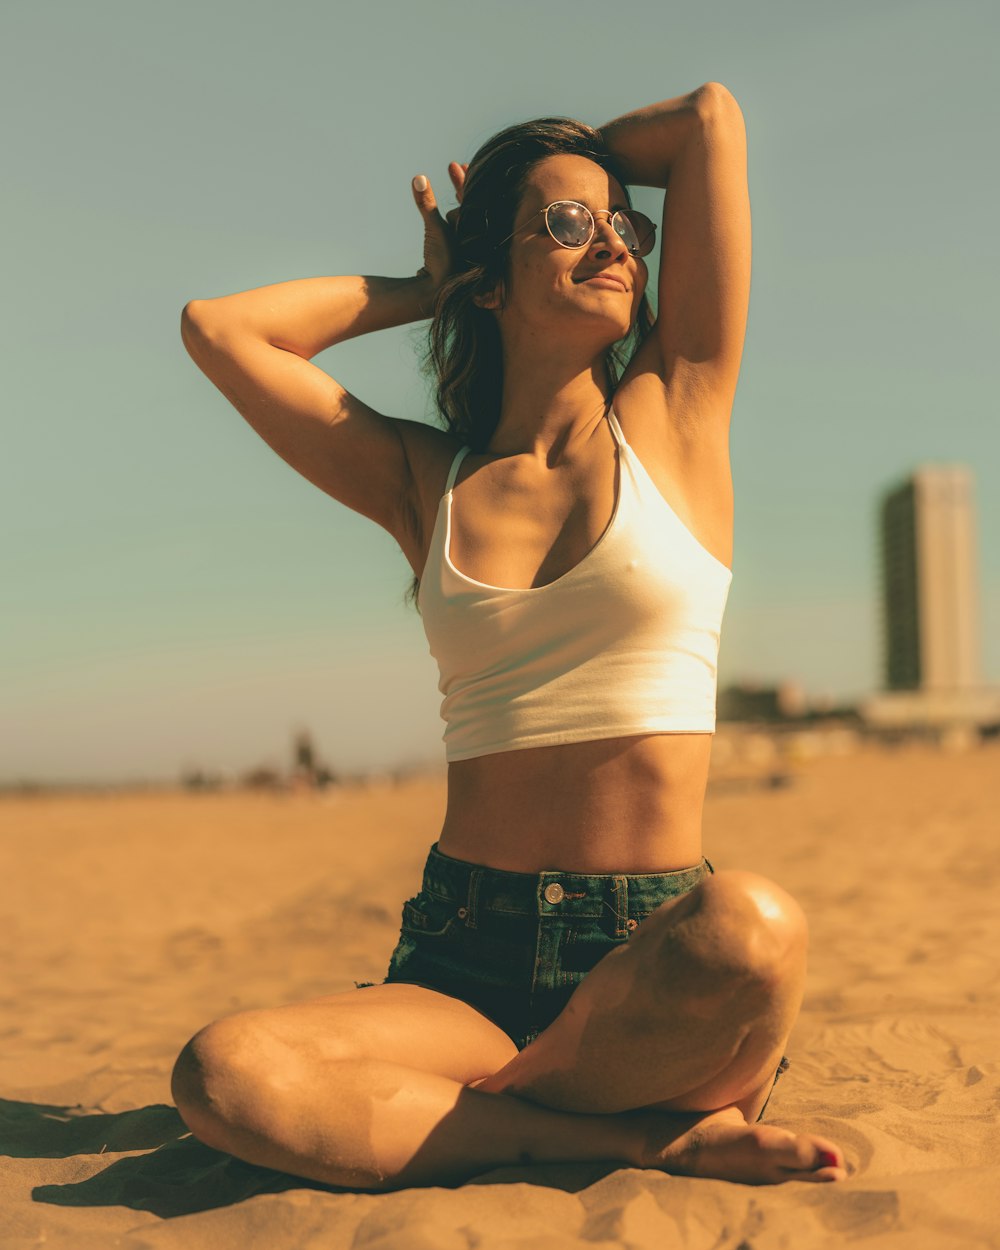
453, 471
616, 429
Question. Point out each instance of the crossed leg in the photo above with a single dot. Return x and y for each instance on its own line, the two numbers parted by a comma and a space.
692, 1015
664, 1052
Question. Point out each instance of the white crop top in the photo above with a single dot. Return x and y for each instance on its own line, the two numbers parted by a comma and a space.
625, 643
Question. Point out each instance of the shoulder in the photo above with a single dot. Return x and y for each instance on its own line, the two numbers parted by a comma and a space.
430, 451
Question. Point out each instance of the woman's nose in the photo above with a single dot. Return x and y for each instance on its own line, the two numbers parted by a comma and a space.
606, 241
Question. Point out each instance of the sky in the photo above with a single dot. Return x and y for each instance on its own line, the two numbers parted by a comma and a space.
174, 596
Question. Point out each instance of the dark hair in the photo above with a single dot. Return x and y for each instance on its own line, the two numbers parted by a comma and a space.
464, 352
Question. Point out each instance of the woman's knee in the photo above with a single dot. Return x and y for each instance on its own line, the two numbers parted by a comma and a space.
740, 924
225, 1066
764, 924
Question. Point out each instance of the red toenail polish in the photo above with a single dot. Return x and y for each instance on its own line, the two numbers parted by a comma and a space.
827, 1159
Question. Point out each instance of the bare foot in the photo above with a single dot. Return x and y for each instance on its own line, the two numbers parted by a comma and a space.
722, 1145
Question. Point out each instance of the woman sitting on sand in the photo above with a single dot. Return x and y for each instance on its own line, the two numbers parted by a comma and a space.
573, 980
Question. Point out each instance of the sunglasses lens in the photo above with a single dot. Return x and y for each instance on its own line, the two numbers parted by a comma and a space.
569, 224
637, 232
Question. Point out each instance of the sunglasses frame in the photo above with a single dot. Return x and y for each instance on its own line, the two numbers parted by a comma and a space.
575, 247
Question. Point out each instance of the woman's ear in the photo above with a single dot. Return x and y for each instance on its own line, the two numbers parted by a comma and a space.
492, 300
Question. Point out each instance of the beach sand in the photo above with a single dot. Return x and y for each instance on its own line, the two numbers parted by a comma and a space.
128, 921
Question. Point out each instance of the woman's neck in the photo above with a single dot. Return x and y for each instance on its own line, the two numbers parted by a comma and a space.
549, 406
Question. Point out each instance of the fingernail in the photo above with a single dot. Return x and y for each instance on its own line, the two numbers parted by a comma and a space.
420, 183
827, 1159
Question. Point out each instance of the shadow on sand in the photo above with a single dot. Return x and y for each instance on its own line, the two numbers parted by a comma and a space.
176, 1176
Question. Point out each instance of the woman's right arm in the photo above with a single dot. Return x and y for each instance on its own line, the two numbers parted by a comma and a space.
256, 347
308, 315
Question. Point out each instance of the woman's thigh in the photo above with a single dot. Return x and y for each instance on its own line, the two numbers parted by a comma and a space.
408, 1024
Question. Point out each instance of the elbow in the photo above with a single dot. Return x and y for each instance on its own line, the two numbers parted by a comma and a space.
194, 332
713, 96
190, 312
188, 315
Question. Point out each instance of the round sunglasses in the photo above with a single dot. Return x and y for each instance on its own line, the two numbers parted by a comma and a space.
573, 225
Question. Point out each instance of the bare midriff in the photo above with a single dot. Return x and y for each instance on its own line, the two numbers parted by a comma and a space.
614, 805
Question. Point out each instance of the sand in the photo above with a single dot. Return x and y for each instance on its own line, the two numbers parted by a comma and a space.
127, 922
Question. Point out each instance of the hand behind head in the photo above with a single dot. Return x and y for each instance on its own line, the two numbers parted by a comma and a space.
440, 252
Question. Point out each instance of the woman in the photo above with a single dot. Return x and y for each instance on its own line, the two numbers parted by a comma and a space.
573, 980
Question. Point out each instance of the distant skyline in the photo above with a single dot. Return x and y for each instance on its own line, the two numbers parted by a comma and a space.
175, 597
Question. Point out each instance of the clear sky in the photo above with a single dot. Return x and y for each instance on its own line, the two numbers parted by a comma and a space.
175, 596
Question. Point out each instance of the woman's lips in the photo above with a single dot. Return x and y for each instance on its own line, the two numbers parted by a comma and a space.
602, 279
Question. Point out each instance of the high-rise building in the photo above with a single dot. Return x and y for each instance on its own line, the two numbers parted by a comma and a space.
930, 583
930, 603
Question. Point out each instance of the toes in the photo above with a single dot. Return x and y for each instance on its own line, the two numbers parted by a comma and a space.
820, 1160
828, 1154
821, 1175
830, 1163
806, 1157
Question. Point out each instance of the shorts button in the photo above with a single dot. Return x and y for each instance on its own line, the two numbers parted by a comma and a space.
631, 924
554, 893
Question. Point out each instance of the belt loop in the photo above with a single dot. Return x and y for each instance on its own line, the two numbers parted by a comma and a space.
620, 887
475, 877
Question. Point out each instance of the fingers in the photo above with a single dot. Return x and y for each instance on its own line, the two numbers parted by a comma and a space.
423, 193
458, 172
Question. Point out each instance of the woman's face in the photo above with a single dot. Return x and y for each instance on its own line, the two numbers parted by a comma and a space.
550, 289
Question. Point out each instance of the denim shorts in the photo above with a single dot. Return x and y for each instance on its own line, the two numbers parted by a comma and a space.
515, 945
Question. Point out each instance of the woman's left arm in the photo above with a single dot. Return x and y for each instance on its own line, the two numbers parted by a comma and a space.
695, 147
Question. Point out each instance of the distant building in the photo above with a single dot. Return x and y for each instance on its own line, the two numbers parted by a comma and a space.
753, 701
748, 701
932, 657
930, 583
